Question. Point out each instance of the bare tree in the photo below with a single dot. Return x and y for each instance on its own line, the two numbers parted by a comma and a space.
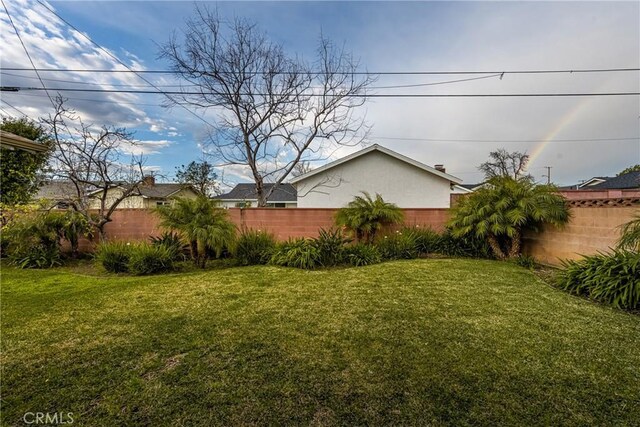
504, 163
88, 158
274, 111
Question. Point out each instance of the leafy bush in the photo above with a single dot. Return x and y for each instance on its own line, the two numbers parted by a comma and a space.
172, 242
40, 255
426, 240
525, 261
612, 278
114, 256
299, 253
467, 246
254, 247
331, 245
398, 246
32, 240
149, 259
362, 254
630, 234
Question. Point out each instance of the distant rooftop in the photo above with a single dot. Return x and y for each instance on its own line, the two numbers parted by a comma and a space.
283, 193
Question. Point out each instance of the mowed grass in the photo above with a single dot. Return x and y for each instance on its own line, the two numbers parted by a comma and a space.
424, 342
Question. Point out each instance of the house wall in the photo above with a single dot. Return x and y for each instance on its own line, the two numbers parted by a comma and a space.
251, 204
398, 182
133, 202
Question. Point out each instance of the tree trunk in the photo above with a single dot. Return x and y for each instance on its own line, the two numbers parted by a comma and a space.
495, 247
516, 243
193, 247
262, 201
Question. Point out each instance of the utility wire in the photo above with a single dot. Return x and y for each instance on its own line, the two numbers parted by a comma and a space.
15, 108
194, 85
27, 52
124, 64
392, 73
375, 95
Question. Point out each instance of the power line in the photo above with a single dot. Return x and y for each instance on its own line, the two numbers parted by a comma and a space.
375, 95
27, 52
194, 85
123, 64
393, 73
15, 108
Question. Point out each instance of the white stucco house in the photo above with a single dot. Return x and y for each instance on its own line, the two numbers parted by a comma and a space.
376, 169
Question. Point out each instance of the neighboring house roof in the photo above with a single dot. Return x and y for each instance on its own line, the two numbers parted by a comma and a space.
628, 180
376, 147
55, 190
12, 141
58, 190
473, 187
160, 190
282, 193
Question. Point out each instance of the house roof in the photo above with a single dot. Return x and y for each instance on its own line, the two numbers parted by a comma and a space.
628, 180
12, 141
376, 147
56, 190
283, 193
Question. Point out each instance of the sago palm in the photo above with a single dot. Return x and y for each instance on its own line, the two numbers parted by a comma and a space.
365, 216
506, 207
202, 223
630, 234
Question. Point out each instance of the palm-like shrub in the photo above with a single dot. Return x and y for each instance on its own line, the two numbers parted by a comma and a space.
630, 236
504, 209
331, 245
202, 223
365, 216
254, 247
298, 253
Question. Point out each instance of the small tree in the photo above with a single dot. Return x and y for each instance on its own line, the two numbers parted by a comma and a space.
365, 216
19, 169
501, 211
199, 175
502, 163
90, 159
202, 223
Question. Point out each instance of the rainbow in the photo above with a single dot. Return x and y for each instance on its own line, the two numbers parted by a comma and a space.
564, 121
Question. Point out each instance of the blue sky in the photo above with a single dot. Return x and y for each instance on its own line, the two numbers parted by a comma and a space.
385, 36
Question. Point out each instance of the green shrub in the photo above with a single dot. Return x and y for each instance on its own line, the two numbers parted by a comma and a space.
331, 245
114, 256
612, 278
149, 259
172, 242
398, 246
362, 254
254, 247
525, 261
467, 246
299, 253
40, 255
426, 240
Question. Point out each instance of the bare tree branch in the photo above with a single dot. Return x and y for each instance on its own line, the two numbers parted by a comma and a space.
274, 111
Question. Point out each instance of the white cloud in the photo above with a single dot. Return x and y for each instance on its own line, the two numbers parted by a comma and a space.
145, 147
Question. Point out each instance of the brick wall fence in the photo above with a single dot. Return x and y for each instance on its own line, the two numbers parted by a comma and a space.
595, 224
139, 224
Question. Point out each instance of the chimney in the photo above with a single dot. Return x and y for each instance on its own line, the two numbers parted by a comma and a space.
149, 180
440, 168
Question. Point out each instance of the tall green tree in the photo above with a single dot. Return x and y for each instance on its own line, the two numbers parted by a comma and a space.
199, 175
202, 223
504, 209
366, 215
19, 170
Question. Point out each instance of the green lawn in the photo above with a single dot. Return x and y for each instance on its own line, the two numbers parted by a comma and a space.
429, 342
